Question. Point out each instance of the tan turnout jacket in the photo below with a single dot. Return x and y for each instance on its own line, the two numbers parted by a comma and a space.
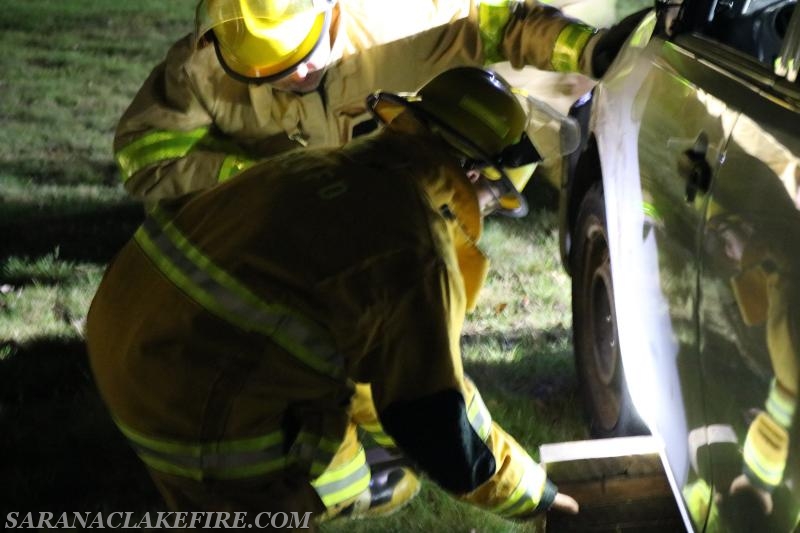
191, 125
227, 337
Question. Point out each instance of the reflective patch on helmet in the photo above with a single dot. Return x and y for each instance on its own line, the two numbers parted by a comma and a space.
480, 111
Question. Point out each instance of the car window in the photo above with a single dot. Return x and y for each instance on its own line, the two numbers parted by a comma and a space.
756, 28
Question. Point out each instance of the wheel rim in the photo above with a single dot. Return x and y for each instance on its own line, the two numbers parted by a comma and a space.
602, 330
605, 345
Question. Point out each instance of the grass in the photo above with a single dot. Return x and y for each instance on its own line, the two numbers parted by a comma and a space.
67, 72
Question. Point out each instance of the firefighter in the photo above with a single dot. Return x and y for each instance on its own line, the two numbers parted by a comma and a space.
260, 77
228, 337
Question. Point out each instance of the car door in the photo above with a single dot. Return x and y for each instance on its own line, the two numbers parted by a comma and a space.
666, 108
750, 270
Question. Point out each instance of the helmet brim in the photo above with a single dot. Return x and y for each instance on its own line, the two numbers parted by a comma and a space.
281, 67
385, 107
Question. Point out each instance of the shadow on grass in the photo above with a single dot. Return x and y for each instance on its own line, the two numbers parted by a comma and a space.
79, 169
544, 369
92, 236
61, 451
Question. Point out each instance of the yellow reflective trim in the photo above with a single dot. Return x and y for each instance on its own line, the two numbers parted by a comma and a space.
527, 493
232, 166
765, 449
780, 404
196, 449
384, 440
375, 427
155, 147
199, 474
515, 496
166, 455
336, 474
279, 323
338, 485
479, 417
770, 474
651, 210
493, 17
350, 490
258, 469
569, 46
316, 450
323, 443
162, 465
378, 434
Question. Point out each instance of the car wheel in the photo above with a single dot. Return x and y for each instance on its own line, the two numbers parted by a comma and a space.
607, 402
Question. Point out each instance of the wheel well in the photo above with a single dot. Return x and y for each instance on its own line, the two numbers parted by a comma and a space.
586, 173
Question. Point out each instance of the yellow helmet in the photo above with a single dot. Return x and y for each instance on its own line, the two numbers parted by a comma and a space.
476, 112
263, 40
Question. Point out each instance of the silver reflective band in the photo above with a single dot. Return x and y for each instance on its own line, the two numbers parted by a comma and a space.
479, 417
223, 295
230, 459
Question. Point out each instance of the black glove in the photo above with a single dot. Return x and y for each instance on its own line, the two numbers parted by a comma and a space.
611, 40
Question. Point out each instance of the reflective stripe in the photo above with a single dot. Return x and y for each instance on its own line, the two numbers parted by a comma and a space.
493, 16
337, 485
780, 404
479, 417
221, 294
569, 46
705, 435
651, 210
769, 472
315, 451
156, 147
215, 460
378, 434
233, 165
765, 450
527, 494
477, 413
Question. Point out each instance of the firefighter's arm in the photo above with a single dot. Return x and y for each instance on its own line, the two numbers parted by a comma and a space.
519, 487
434, 415
166, 143
766, 448
765, 293
531, 33
451, 436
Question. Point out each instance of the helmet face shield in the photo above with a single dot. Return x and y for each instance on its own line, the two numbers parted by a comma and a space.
484, 123
264, 40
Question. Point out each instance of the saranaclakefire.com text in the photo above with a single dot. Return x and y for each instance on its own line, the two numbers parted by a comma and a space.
159, 520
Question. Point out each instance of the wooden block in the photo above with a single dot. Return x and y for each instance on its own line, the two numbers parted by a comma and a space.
620, 484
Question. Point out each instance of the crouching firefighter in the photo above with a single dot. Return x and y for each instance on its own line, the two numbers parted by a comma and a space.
246, 330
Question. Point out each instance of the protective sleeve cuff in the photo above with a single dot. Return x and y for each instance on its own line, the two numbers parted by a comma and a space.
570, 48
781, 404
765, 451
545, 501
548, 497
448, 449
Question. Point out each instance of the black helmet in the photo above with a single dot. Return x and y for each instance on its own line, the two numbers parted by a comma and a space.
476, 112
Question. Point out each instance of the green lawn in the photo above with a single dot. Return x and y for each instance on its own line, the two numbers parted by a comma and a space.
67, 72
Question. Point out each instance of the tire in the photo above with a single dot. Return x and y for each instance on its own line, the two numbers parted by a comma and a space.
607, 402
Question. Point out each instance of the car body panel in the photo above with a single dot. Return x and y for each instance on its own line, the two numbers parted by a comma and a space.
652, 237
691, 135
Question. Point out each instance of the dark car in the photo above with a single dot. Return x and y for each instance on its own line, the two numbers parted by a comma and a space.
680, 228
